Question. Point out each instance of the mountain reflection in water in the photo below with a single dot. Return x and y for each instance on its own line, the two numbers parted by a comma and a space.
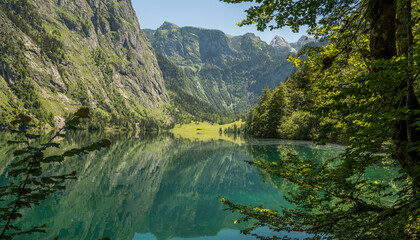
162, 188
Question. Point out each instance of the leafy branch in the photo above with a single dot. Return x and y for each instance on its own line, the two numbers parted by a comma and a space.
33, 185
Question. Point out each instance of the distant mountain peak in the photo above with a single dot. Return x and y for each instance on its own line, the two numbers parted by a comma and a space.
278, 38
281, 45
249, 34
303, 40
168, 26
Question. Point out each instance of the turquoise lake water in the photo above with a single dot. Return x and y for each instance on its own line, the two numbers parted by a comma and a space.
161, 188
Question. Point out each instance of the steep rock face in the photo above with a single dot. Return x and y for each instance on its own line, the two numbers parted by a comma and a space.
281, 45
226, 72
91, 52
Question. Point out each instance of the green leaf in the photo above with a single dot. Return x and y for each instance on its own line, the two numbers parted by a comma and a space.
15, 122
47, 180
25, 118
32, 136
38, 155
107, 142
72, 152
21, 162
82, 112
56, 145
93, 147
70, 127
53, 159
19, 152
16, 172
36, 171
14, 142
73, 122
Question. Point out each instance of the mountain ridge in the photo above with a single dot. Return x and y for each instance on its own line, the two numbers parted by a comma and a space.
229, 72
281, 45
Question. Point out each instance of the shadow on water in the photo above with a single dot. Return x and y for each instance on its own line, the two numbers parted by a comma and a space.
160, 187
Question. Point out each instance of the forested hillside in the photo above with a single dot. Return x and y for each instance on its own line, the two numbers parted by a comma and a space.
284, 112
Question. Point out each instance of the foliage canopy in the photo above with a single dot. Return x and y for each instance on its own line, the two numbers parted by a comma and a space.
364, 87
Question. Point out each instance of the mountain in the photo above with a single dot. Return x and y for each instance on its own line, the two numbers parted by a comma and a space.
226, 72
304, 40
59, 55
281, 45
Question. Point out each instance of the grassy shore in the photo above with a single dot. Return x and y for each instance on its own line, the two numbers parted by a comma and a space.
205, 131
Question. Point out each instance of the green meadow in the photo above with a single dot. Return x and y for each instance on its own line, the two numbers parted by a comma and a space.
205, 131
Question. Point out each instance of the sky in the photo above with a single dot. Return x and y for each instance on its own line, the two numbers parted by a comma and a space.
210, 14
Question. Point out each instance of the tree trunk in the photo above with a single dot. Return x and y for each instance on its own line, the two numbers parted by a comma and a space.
407, 135
382, 29
387, 30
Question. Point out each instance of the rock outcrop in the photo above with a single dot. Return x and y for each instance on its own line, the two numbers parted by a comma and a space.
281, 45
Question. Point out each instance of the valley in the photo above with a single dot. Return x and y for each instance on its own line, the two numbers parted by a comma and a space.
97, 56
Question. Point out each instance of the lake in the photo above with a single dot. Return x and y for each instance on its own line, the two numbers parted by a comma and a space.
161, 187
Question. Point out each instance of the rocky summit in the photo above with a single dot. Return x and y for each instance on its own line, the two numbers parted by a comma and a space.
281, 45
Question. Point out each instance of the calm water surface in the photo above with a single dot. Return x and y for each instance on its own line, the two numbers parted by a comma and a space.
161, 188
